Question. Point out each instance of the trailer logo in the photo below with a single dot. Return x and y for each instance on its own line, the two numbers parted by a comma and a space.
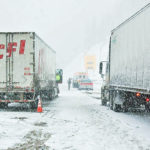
11, 47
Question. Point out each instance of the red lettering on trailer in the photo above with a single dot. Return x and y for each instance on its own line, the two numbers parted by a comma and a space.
27, 74
22, 46
2, 46
11, 48
26, 68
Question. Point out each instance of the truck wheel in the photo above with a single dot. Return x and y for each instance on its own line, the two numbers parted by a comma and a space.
115, 107
111, 100
125, 108
52, 94
33, 105
103, 99
111, 106
147, 108
4, 105
104, 102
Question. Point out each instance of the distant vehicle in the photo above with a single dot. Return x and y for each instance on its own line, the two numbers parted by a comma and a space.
127, 73
85, 84
78, 76
28, 69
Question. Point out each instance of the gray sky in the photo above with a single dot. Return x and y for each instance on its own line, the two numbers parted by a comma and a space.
68, 26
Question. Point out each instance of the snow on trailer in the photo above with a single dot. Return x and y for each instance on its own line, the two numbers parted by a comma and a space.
130, 48
128, 71
28, 67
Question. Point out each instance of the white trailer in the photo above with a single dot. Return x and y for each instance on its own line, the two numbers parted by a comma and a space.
128, 71
27, 66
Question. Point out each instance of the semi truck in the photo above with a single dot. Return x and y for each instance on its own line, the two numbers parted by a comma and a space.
126, 73
27, 69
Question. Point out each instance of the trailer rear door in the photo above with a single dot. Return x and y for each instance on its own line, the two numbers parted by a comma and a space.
16, 60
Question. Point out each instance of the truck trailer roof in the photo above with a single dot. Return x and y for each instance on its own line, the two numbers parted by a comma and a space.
130, 18
30, 33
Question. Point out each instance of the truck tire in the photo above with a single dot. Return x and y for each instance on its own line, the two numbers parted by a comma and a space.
116, 107
111, 100
125, 108
147, 108
104, 102
33, 105
111, 107
52, 94
4, 105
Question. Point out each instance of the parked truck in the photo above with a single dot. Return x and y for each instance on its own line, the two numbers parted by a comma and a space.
27, 69
127, 72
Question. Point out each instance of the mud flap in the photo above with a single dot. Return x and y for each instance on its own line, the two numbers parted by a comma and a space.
118, 99
118, 102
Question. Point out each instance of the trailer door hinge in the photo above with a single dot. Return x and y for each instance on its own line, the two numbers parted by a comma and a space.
32, 63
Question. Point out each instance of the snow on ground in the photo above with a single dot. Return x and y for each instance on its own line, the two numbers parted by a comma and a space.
14, 125
80, 122
74, 121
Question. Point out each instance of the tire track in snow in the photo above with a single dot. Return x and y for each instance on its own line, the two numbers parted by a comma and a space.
33, 140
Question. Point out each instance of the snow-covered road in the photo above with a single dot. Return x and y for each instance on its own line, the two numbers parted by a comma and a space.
74, 121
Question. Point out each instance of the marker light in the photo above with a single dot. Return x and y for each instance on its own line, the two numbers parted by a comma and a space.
27, 90
32, 90
138, 94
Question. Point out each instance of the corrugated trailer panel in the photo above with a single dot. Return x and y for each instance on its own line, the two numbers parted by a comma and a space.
23, 62
45, 63
130, 52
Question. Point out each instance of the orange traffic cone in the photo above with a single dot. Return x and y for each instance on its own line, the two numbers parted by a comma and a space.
39, 108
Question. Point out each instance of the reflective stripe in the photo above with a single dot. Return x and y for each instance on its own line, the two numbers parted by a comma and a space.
16, 101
